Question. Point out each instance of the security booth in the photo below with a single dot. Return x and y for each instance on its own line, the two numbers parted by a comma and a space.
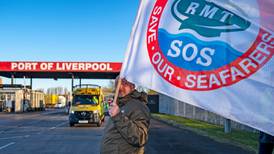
19, 98
14, 98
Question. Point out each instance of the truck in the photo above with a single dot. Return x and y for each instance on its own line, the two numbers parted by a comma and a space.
51, 100
87, 105
61, 102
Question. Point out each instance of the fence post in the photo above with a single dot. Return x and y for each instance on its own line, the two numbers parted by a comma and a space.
227, 126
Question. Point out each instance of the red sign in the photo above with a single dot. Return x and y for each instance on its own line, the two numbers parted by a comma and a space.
60, 66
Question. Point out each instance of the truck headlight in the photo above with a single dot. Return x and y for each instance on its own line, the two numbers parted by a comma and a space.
96, 111
72, 112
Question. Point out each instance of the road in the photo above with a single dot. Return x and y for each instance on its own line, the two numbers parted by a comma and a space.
49, 133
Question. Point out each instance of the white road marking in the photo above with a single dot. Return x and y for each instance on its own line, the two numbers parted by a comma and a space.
6, 138
4, 146
58, 125
21, 131
62, 124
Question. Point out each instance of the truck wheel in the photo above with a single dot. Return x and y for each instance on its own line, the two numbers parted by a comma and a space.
71, 124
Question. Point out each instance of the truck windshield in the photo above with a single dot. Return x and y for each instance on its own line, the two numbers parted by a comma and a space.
85, 99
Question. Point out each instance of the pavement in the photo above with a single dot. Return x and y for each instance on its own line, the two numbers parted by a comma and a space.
48, 132
166, 139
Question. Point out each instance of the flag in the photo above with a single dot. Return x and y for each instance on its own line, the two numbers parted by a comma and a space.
216, 55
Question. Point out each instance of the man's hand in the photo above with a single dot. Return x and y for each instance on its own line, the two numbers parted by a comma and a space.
114, 110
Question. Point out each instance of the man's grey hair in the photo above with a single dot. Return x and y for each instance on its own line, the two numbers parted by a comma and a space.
137, 87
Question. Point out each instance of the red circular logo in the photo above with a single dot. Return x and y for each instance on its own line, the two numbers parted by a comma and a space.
259, 53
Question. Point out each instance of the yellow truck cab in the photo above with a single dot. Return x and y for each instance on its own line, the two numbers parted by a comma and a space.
87, 105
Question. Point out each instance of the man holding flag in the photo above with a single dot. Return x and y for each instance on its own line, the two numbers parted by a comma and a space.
127, 130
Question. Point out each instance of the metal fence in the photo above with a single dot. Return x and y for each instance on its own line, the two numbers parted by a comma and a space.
171, 106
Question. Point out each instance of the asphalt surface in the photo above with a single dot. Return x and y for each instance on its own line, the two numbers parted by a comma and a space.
49, 133
165, 139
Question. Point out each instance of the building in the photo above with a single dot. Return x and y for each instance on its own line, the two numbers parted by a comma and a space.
17, 98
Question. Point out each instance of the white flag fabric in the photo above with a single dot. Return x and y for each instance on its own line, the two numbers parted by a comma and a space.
214, 54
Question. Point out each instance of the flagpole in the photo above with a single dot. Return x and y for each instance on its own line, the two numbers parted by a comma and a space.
117, 91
